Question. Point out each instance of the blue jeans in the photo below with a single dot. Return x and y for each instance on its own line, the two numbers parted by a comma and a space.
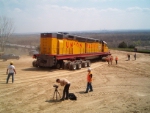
10, 74
89, 86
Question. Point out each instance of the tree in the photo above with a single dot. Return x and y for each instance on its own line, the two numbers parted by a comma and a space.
6, 29
122, 45
131, 46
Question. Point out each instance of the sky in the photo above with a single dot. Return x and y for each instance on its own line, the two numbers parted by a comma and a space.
30, 16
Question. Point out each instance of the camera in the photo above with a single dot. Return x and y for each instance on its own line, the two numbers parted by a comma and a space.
56, 86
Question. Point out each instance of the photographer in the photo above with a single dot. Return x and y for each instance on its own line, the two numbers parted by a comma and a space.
66, 84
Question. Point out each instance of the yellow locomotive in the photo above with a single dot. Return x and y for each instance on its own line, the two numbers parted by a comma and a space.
57, 47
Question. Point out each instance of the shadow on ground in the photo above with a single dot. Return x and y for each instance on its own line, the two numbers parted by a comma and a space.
40, 69
53, 101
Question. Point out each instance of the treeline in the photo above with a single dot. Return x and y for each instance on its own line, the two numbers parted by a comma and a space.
115, 38
25, 39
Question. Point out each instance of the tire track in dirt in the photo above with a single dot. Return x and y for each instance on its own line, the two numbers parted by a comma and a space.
49, 75
30, 81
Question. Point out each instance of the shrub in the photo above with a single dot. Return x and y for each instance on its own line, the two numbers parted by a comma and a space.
122, 45
131, 46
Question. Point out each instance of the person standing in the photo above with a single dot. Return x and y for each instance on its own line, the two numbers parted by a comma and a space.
135, 56
66, 84
111, 59
128, 56
10, 72
116, 59
89, 81
108, 59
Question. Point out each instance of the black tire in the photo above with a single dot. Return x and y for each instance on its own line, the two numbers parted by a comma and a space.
58, 65
73, 66
84, 64
65, 65
88, 63
79, 66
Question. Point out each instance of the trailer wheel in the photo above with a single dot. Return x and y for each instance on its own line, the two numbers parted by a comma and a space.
78, 66
65, 65
84, 64
58, 65
88, 63
73, 66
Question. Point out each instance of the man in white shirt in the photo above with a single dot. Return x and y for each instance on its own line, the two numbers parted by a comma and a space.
66, 84
10, 72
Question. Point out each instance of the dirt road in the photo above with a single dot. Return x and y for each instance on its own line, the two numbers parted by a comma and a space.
122, 88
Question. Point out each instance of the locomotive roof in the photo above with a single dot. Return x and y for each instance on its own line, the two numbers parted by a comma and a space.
61, 35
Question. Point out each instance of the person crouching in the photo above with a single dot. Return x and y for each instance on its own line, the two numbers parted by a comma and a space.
66, 84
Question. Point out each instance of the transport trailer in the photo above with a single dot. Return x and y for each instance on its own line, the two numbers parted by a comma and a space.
71, 62
68, 51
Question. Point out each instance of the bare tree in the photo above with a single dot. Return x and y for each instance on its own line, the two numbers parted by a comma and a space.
6, 29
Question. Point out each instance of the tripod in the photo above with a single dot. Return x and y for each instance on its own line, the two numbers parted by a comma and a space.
55, 93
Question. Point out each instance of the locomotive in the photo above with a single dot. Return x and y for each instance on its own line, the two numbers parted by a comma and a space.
63, 50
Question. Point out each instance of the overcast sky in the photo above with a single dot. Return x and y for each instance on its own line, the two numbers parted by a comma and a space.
76, 15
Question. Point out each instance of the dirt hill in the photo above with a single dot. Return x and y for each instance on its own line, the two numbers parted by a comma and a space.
122, 88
